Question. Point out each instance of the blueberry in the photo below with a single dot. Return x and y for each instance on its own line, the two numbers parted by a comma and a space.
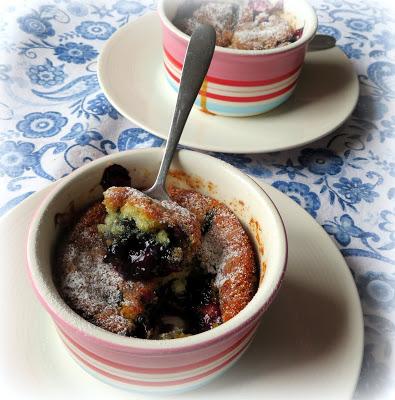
142, 328
143, 263
138, 255
203, 301
176, 236
207, 221
115, 175
209, 316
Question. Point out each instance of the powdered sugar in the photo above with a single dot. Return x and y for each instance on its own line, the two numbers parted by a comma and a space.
220, 246
265, 32
88, 285
172, 206
221, 278
98, 292
93, 284
124, 195
219, 14
112, 192
242, 24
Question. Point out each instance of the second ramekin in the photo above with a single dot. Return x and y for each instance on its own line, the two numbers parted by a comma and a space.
241, 83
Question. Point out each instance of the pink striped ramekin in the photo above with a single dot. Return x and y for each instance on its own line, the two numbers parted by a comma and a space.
167, 365
241, 83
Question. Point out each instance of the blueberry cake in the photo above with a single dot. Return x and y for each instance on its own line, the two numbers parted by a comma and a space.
155, 270
241, 24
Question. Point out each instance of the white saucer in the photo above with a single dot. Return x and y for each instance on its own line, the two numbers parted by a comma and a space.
131, 75
308, 347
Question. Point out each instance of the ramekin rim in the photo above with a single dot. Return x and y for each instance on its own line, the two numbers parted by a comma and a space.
56, 306
225, 50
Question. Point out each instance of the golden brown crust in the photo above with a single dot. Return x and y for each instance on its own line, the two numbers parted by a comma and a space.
88, 223
238, 282
135, 296
85, 248
167, 214
217, 14
117, 197
77, 259
237, 285
195, 202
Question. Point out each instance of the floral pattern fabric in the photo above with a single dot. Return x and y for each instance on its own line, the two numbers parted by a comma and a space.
54, 118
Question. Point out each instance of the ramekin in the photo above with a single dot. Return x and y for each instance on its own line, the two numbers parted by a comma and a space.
153, 365
241, 83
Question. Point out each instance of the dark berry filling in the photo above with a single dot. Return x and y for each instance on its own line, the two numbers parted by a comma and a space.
196, 308
138, 255
297, 35
204, 301
115, 175
207, 222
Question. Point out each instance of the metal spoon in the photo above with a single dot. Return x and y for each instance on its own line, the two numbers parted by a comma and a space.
197, 61
322, 42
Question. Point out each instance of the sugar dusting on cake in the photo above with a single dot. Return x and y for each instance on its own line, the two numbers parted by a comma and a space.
242, 24
99, 292
89, 285
226, 251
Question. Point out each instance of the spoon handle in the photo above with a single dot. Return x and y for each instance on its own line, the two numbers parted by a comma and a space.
196, 64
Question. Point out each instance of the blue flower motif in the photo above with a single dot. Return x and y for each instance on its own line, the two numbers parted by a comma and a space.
95, 30
245, 163
238, 160
290, 169
391, 168
389, 131
329, 30
81, 135
389, 218
382, 73
344, 230
370, 108
100, 106
355, 190
351, 52
101, 11
47, 74
135, 138
77, 53
300, 193
386, 39
16, 157
389, 223
39, 27
377, 289
321, 161
78, 9
126, 7
358, 24
36, 125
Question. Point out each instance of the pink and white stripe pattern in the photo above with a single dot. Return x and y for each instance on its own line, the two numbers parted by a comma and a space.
160, 366
241, 83
138, 370
235, 97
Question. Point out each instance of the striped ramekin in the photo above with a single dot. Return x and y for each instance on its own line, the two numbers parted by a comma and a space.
241, 83
164, 366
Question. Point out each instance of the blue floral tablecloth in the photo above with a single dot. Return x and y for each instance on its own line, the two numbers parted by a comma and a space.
54, 118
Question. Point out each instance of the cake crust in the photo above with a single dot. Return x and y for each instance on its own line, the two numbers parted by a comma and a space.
216, 280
